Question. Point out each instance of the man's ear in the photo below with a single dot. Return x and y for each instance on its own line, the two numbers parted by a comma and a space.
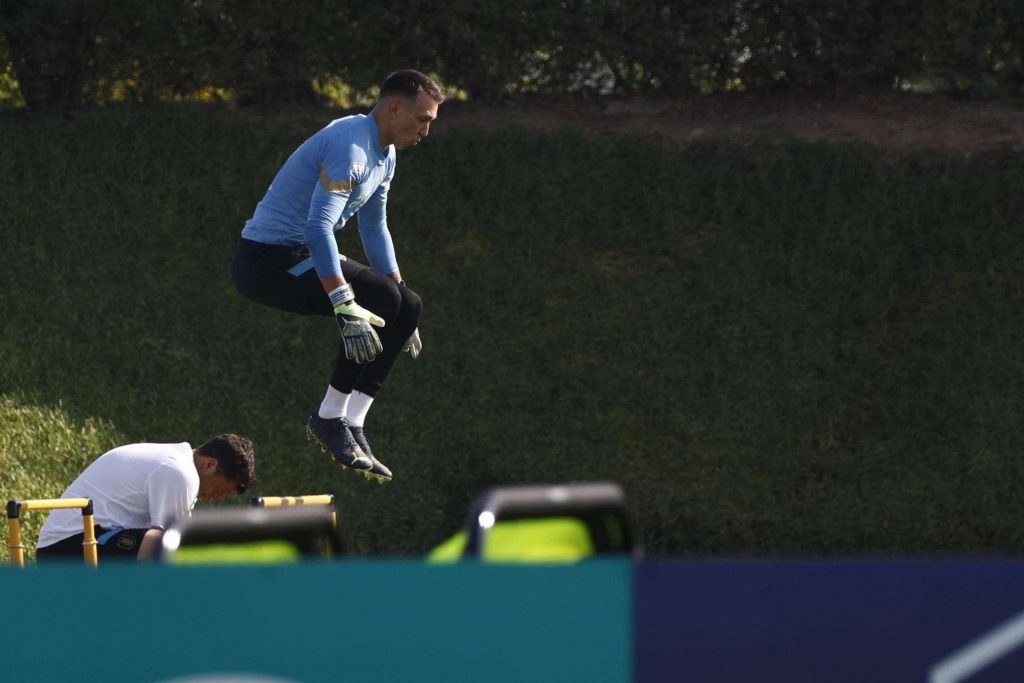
207, 465
395, 106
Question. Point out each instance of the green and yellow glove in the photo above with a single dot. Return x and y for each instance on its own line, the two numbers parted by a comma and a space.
361, 341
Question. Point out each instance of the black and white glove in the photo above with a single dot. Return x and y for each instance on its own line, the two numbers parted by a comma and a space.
413, 345
361, 341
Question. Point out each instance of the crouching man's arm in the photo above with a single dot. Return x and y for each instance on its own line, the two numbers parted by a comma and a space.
150, 544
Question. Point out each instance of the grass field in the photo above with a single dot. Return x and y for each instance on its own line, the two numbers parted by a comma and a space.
779, 349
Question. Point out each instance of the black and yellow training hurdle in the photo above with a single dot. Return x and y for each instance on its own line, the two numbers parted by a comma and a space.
326, 499
16, 507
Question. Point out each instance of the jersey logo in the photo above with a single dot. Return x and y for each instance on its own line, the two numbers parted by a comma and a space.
335, 185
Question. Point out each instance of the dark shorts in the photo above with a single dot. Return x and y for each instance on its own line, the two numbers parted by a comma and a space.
113, 544
263, 273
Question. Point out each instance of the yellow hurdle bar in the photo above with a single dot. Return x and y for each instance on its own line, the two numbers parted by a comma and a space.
53, 503
15, 507
284, 501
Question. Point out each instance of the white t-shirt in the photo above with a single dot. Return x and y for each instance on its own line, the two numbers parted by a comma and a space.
138, 486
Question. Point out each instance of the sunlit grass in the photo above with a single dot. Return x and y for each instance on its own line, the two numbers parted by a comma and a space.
42, 448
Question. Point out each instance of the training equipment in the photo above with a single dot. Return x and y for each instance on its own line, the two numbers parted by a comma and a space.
361, 341
285, 501
600, 506
413, 345
333, 436
379, 471
252, 535
16, 507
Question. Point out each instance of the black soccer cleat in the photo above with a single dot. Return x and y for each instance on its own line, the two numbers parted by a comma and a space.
334, 437
379, 471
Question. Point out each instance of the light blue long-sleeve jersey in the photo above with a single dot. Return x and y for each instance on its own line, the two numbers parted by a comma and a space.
339, 172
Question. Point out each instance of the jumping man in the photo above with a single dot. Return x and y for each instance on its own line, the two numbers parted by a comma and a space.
288, 257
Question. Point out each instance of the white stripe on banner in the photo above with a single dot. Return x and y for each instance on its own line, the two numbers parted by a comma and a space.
980, 652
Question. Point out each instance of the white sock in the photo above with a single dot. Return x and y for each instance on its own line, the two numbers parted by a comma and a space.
334, 403
358, 407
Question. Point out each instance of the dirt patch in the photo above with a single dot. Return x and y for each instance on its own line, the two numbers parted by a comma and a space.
889, 120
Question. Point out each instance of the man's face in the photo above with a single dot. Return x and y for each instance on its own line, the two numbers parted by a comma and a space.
410, 120
214, 486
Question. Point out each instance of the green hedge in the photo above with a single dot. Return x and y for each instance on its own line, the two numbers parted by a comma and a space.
69, 52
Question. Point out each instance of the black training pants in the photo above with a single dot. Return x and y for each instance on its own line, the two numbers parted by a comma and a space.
260, 272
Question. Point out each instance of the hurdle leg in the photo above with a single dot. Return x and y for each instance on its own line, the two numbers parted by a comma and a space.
90, 550
14, 544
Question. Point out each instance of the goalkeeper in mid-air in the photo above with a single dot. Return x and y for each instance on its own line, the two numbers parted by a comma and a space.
288, 259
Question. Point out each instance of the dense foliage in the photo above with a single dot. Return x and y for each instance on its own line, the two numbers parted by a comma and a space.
68, 52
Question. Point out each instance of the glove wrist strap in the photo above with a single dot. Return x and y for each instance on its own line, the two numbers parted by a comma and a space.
342, 295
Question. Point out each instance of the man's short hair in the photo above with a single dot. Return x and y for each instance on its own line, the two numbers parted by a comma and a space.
409, 84
235, 456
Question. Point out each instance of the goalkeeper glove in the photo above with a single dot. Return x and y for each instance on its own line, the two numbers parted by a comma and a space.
361, 341
413, 345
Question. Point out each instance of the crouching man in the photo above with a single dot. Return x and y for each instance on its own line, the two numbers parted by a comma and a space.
140, 490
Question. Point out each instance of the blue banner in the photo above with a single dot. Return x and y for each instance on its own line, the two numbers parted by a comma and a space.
940, 621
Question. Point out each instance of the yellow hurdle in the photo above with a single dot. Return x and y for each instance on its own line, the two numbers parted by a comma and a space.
284, 501
16, 507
